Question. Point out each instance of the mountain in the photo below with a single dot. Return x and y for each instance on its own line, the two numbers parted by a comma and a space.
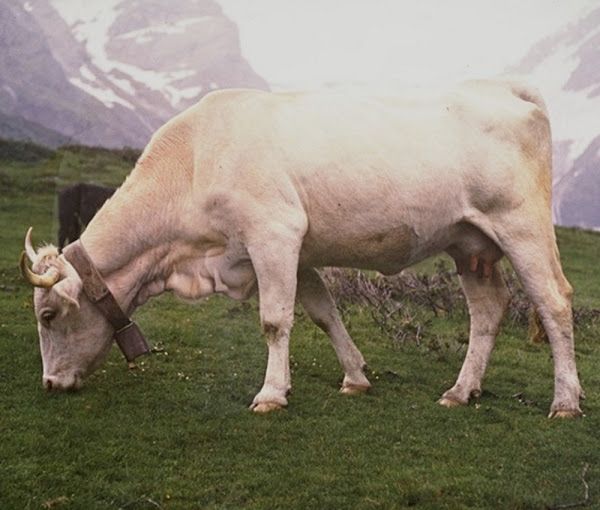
114, 73
566, 68
35, 88
18, 128
578, 192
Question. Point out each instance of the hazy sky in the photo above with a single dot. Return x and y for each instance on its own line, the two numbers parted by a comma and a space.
312, 43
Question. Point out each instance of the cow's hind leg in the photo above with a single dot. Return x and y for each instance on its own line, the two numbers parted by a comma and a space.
534, 256
319, 305
487, 298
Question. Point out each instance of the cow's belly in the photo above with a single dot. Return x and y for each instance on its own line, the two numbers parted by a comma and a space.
390, 251
387, 250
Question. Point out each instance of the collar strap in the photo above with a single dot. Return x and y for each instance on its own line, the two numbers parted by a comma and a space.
127, 334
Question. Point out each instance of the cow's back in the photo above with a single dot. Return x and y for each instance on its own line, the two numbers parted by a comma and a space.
328, 138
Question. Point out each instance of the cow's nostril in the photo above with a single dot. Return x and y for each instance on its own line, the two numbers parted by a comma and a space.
48, 384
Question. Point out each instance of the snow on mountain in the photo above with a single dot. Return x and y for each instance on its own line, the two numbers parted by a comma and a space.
181, 52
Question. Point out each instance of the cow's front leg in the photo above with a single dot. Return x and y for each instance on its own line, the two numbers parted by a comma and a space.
277, 383
275, 265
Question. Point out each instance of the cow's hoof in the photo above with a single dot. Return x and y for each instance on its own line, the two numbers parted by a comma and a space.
354, 389
565, 413
266, 407
450, 402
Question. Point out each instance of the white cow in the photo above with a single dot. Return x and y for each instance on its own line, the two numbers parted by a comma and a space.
251, 190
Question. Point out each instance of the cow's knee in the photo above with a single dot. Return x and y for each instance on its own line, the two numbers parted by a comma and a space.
274, 330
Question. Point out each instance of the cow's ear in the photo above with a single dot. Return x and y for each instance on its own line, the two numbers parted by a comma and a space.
69, 290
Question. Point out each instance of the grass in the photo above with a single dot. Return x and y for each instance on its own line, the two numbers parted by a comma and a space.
176, 433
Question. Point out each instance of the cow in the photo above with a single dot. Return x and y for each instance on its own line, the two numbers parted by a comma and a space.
251, 191
77, 205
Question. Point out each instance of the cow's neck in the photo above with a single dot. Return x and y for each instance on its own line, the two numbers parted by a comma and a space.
130, 238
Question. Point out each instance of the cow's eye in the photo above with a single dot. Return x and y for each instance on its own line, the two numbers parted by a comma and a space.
48, 316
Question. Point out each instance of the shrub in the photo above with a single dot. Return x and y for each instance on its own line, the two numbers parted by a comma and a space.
25, 152
402, 305
127, 154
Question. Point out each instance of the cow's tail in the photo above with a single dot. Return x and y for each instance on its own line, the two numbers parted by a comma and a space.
536, 331
539, 134
528, 93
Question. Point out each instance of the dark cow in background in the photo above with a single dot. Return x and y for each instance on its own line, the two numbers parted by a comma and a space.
77, 205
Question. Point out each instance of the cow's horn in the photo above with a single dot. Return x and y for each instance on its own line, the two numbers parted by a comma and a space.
28, 246
46, 280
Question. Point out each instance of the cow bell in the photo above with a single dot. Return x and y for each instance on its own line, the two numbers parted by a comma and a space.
131, 341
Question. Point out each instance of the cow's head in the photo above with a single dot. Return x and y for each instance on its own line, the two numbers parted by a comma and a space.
74, 336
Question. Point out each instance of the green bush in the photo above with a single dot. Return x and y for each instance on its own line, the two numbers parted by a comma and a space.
23, 152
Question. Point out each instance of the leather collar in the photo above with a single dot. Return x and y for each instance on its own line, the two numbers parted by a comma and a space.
127, 334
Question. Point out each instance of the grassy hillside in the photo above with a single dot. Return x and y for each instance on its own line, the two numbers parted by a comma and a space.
176, 433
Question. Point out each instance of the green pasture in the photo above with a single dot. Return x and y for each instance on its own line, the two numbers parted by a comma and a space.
177, 434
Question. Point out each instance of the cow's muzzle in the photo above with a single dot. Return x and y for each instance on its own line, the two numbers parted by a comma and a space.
52, 383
